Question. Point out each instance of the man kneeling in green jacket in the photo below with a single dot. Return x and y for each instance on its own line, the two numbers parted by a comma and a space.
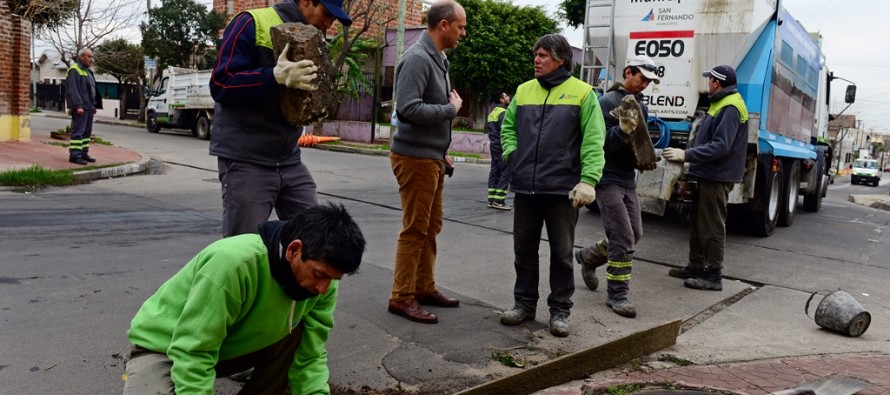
264, 301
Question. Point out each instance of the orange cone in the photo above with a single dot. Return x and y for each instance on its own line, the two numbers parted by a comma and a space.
311, 140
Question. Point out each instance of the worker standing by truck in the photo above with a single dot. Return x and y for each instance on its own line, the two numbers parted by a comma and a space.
258, 157
616, 192
716, 161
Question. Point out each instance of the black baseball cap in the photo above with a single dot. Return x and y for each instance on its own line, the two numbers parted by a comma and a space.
335, 7
722, 73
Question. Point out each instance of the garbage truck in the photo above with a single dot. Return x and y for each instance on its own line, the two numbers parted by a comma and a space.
181, 100
782, 77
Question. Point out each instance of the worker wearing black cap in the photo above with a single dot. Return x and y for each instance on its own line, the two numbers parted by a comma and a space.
717, 161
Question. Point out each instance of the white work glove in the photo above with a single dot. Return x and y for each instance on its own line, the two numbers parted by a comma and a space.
582, 195
674, 154
627, 120
296, 75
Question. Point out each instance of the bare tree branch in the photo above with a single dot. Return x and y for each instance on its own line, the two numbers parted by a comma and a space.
91, 23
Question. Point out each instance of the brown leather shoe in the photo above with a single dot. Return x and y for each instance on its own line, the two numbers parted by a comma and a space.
436, 299
412, 311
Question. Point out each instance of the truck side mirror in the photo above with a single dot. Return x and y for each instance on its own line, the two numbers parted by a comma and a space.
850, 97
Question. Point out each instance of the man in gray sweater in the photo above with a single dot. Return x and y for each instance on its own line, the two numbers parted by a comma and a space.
425, 104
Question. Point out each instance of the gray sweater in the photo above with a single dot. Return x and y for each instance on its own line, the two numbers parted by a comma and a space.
424, 112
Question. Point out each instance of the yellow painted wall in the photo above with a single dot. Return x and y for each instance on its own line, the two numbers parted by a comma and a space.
15, 128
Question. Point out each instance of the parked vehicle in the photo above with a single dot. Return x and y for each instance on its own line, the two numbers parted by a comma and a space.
781, 75
865, 171
181, 99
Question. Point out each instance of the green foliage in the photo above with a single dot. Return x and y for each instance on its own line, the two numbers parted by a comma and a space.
508, 359
180, 33
496, 54
36, 176
44, 14
572, 12
121, 59
350, 80
623, 389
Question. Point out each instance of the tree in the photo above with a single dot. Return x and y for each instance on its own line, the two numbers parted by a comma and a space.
89, 25
497, 52
181, 33
572, 12
349, 79
43, 14
124, 61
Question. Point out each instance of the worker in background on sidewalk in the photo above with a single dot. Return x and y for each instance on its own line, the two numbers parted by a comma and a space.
553, 140
616, 193
426, 104
716, 161
499, 175
83, 101
259, 161
263, 301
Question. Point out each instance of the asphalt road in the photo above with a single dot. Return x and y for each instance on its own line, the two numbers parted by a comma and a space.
78, 262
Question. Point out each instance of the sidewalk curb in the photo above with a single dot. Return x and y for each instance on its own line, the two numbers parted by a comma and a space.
115, 122
377, 152
126, 169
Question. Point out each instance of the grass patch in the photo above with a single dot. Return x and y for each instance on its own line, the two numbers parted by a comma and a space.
36, 176
465, 155
34, 109
99, 140
623, 389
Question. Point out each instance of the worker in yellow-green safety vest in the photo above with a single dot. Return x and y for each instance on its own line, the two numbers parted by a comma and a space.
83, 100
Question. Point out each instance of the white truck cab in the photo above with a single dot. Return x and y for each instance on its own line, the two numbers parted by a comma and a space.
866, 171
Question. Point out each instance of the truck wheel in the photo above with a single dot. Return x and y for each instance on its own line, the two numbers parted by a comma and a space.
812, 201
791, 194
762, 221
202, 127
151, 123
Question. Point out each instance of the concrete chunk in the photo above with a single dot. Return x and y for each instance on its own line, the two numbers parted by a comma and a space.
306, 42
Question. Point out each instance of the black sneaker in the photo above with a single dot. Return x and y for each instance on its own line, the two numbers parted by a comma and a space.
89, 158
79, 161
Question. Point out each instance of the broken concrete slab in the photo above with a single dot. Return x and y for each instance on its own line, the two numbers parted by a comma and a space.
306, 42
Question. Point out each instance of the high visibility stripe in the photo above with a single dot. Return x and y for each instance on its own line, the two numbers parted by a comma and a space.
620, 264
617, 277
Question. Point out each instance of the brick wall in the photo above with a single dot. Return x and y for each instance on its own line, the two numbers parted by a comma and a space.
15, 47
388, 10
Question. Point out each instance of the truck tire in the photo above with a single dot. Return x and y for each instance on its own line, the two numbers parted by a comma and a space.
812, 201
791, 194
762, 220
151, 123
202, 127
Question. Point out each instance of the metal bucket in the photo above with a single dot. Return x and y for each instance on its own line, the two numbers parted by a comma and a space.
838, 311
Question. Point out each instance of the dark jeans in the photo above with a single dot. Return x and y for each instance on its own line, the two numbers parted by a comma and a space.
81, 130
531, 213
250, 192
707, 226
620, 211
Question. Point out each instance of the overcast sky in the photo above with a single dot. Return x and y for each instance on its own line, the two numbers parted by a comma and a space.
853, 34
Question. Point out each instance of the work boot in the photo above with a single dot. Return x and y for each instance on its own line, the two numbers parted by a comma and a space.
684, 272
622, 307
500, 206
79, 161
559, 324
89, 158
707, 280
588, 274
516, 316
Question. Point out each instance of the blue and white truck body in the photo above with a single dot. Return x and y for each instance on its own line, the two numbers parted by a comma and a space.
781, 75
